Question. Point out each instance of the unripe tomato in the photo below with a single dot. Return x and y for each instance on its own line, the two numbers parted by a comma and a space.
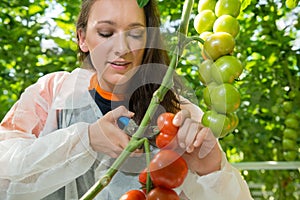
289, 144
203, 36
159, 193
167, 169
291, 122
204, 21
290, 155
205, 71
287, 106
227, 23
218, 44
165, 124
226, 69
234, 120
291, 3
219, 124
290, 134
206, 5
228, 7
133, 195
206, 93
225, 98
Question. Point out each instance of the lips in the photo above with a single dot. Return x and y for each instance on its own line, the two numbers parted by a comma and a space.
119, 64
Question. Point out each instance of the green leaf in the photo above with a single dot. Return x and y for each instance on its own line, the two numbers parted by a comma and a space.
142, 3
245, 4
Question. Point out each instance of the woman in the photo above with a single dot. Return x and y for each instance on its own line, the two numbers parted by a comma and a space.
62, 135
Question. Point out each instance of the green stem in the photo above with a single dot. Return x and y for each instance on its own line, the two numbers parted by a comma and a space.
158, 96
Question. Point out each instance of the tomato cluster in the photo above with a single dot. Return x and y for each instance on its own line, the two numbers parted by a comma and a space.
220, 68
166, 170
291, 130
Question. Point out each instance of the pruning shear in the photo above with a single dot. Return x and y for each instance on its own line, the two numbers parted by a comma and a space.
130, 127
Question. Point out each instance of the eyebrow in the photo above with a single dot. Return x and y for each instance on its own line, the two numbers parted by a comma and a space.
135, 24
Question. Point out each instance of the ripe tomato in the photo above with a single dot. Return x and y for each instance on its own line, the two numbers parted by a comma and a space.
226, 69
206, 5
165, 124
168, 169
227, 23
166, 141
159, 193
219, 124
143, 176
225, 98
218, 44
205, 71
228, 7
133, 195
204, 21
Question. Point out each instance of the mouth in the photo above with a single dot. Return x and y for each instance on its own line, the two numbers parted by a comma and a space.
119, 64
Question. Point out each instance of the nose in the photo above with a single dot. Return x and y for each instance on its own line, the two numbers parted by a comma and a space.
121, 45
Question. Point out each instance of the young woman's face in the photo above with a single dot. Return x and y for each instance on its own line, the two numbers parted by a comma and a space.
116, 38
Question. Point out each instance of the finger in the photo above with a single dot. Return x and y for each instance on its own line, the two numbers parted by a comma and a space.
182, 132
180, 117
208, 144
200, 136
115, 114
191, 135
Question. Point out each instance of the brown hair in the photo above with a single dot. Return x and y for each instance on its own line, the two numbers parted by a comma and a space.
154, 54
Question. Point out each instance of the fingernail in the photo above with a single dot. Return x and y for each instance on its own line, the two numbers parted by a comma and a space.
182, 145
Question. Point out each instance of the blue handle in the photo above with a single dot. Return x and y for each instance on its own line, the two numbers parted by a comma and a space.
124, 121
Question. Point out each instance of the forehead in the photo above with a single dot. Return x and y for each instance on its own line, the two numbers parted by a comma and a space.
121, 12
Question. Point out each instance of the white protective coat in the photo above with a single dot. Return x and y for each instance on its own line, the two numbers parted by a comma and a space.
40, 153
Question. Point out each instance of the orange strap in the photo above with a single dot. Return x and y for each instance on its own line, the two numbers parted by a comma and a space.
105, 94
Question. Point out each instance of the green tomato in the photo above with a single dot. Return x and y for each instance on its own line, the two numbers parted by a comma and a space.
204, 35
206, 5
204, 21
206, 93
289, 144
218, 123
225, 98
226, 69
227, 23
287, 106
228, 7
290, 155
291, 122
291, 3
205, 71
218, 44
290, 133
234, 120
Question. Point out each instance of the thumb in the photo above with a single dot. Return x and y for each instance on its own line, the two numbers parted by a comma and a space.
180, 117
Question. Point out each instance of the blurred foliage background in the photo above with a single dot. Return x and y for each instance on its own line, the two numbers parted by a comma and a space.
38, 37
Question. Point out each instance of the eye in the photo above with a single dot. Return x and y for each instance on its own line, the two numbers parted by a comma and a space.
105, 34
136, 33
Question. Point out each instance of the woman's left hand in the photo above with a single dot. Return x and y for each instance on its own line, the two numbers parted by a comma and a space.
201, 151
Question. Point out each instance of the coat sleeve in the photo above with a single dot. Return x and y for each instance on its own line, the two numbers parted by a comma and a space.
32, 167
225, 184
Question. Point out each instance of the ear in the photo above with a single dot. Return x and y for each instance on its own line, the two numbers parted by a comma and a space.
82, 42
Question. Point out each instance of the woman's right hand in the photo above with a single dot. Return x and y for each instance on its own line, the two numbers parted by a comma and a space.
106, 136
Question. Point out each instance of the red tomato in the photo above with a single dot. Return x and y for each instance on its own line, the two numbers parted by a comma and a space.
133, 195
165, 125
168, 169
166, 141
143, 177
159, 193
